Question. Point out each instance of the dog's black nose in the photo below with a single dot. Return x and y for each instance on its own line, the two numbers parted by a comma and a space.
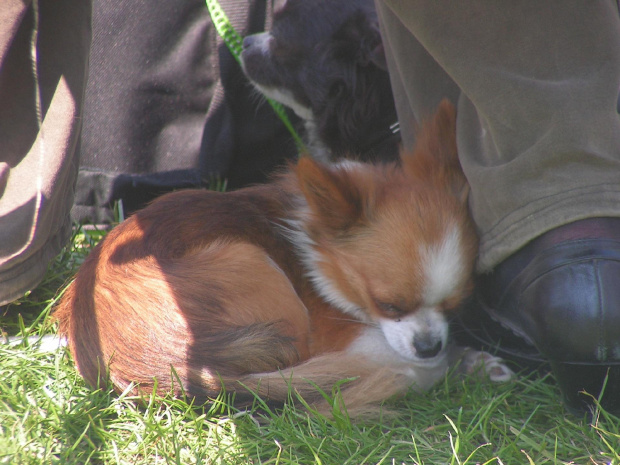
427, 348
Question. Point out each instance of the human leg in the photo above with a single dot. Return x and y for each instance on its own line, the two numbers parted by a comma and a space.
43, 63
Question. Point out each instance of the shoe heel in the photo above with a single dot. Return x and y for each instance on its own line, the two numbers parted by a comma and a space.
581, 384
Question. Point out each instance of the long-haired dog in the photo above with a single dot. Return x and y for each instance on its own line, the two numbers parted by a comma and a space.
329, 272
325, 60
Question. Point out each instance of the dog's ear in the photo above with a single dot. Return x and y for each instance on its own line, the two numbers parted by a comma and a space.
377, 57
359, 97
435, 156
336, 203
371, 45
360, 35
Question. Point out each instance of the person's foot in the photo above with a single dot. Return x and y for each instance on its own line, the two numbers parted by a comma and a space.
561, 294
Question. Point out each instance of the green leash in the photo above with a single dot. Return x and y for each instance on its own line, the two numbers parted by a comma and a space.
234, 42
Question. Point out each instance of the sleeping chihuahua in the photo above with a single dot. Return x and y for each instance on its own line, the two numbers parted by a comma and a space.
324, 59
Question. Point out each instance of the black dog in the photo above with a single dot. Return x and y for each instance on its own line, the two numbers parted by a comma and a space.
325, 60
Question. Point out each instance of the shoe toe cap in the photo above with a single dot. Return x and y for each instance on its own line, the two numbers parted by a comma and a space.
567, 303
572, 312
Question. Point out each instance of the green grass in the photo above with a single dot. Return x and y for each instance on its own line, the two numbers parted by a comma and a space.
48, 415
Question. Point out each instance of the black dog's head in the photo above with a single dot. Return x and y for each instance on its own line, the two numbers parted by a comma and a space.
325, 60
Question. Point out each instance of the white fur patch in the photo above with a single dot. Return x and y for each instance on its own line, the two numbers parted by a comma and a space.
474, 362
262, 41
285, 97
316, 148
350, 165
444, 265
311, 259
372, 345
426, 323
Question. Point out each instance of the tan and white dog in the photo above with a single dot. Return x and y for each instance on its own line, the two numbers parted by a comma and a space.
329, 272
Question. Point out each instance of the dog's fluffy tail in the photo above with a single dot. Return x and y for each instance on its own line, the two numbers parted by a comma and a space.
327, 383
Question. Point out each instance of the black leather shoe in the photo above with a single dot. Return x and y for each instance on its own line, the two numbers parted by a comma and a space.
561, 295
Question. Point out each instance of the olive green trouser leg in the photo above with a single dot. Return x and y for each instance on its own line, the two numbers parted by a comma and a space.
536, 85
41, 93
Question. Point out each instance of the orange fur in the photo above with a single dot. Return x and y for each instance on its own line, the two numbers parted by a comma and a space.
236, 288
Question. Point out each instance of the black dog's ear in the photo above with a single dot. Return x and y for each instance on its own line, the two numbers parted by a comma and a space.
358, 98
371, 46
377, 56
359, 37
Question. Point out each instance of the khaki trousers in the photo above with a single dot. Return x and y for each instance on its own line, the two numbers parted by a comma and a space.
536, 87
43, 63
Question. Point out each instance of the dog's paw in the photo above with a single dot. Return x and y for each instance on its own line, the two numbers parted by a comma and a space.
475, 362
